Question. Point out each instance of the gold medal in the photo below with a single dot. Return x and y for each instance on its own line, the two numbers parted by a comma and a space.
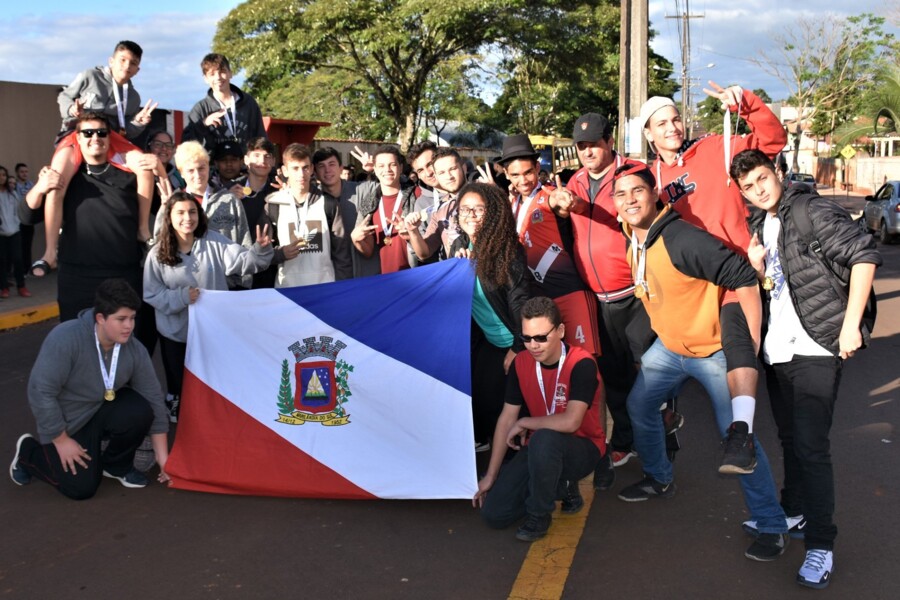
247, 190
388, 241
639, 290
109, 395
768, 284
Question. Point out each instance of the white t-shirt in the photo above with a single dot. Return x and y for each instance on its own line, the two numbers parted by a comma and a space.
786, 337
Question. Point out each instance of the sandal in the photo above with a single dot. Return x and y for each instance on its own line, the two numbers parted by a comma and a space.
40, 268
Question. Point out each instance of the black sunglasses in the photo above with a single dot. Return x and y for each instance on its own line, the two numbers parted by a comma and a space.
89, 133
540, 339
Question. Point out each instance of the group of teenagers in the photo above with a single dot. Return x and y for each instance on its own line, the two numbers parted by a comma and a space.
611, 290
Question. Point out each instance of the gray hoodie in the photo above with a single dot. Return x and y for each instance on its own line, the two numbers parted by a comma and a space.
95, 88
66, 388
211, 259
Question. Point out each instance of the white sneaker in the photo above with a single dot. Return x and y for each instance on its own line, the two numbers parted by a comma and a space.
795, 525
816, 569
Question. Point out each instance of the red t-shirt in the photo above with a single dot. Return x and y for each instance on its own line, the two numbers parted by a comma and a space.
392, 253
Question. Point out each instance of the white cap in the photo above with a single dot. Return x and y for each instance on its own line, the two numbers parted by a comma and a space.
652, 105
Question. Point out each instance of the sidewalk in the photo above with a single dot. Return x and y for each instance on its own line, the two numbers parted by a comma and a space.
16, 311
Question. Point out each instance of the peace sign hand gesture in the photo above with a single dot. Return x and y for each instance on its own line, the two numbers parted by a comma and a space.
143, 117
730, 97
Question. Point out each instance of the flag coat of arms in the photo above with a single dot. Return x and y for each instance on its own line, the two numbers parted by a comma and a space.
353, 389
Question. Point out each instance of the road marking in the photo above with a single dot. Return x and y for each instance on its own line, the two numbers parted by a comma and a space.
28, 315
546, 567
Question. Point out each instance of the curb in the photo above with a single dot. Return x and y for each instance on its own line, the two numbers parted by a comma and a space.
28, 315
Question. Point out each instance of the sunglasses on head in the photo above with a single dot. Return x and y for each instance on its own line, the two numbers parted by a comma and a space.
540, 339
89, 133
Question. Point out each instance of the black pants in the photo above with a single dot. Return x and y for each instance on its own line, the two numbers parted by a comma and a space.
124, 422
173, 354
488, 385
532, 481
27, 232
77, 286
11, 257
803, 393
624, 336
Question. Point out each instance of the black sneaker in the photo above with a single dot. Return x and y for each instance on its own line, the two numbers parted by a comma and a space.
572, 502
16, 471
672, 420
534, 528
604, 473
132, 479
767, 546
172, 404
647, 488
739, 452
796, 525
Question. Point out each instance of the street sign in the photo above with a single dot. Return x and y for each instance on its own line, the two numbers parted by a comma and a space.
848, 152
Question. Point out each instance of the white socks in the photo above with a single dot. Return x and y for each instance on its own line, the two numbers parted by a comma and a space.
743, 408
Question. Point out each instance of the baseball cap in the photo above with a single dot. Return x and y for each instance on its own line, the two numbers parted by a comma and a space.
652, 105
228, 148
590, 128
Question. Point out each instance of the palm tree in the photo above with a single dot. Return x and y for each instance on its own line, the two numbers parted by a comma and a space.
880, 112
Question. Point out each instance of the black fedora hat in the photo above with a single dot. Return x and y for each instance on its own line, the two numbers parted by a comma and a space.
517, 146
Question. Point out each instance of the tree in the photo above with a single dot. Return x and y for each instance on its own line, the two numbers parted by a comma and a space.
709, 114
392, 47
880, 111
826, 63
564, 61
285, 395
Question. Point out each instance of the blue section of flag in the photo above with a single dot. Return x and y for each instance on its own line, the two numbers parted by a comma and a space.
420, 317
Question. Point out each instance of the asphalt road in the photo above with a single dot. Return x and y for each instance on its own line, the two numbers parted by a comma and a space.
161, 543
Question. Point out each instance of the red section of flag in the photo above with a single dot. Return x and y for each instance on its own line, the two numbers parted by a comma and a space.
220, 448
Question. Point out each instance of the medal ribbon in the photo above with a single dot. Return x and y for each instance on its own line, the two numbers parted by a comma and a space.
230, 120
300, 223
109, 377
639, 258
551, 406
388, 226
121, 101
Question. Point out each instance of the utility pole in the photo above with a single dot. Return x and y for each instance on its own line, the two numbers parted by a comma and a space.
633, 50
684, 32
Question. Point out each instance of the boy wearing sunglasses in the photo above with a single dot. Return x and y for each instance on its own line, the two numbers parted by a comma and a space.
560, 443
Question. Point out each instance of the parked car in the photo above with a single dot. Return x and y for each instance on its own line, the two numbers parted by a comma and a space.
806, 178
882, 212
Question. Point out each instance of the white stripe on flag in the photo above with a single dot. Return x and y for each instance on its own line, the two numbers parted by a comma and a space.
410, 435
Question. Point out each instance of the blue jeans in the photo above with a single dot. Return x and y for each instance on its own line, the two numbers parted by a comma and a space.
662, 371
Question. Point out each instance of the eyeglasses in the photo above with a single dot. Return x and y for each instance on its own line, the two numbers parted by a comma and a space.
478, 211
161, 145
540, 339
89, 133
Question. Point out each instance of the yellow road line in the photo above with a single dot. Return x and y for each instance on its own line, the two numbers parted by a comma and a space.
546, 567
29, 315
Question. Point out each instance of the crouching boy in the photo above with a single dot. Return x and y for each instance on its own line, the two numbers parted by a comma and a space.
559, 444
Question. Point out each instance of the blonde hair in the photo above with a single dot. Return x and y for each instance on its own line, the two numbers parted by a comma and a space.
190, 152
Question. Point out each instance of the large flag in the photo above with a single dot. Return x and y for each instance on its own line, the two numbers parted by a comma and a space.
354, 389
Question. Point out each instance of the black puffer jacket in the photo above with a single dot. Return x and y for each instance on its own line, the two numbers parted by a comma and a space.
819, 306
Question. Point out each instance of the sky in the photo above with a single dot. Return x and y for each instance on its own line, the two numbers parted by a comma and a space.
51, 41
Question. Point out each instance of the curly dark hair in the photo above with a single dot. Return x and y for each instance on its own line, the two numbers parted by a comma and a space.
496, 244
168, 240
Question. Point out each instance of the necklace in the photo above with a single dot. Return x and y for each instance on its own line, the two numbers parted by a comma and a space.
89, 172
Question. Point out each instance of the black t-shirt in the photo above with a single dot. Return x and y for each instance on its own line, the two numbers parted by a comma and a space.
100, 221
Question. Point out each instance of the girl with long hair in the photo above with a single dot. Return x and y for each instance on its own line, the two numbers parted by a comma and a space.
502, 285
188, 258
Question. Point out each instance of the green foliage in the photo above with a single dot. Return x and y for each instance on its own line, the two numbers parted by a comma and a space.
342, 374
710, 116
827, 64
285, 395
879, 112
392, 47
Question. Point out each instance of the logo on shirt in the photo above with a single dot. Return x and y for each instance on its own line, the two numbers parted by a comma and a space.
773, 261
679, 188
537, 216
560, 398
321, 384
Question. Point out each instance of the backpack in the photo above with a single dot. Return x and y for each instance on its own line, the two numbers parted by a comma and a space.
803, 223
